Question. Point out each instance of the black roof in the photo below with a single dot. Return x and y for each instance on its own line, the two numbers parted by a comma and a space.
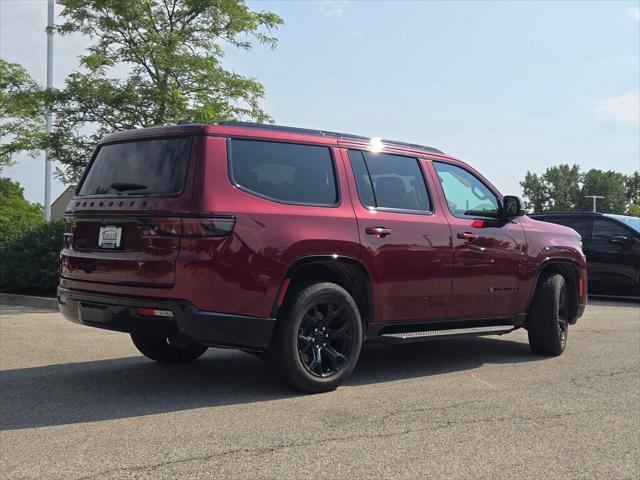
324, 133
563, 214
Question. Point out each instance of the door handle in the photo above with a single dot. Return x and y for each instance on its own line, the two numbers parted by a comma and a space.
379, 232
467, 235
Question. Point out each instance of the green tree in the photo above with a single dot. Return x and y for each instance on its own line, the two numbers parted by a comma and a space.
557, 189
535, 192
609, 184
173, 50
15, 210
29, 246
632, 194
149, 63
22, 110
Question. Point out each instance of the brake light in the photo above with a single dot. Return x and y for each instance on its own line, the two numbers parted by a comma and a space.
207, 226
160, 227
189, 227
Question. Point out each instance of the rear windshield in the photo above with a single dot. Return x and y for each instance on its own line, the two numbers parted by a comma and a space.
146, 167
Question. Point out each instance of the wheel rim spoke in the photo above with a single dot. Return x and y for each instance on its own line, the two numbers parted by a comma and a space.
341, 333
316, 361
335, 357
307, 344
324, 339
333, 311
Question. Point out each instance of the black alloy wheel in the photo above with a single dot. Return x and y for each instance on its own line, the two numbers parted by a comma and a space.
325, 339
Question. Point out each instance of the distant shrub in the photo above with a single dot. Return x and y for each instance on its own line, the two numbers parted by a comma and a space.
29, 257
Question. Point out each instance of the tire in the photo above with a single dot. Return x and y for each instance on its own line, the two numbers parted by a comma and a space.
548, 317
317, 340
159, 350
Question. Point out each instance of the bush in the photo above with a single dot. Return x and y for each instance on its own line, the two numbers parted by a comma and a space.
29, 257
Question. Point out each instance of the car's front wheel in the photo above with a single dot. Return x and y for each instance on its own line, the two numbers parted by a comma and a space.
548, 317
160, 350
317, 340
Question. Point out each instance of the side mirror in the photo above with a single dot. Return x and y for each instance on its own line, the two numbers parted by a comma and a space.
512, 207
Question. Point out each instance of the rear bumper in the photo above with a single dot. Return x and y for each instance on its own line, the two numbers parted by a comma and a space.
119, 313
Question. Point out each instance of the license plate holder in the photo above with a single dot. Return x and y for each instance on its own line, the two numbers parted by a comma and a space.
109, 237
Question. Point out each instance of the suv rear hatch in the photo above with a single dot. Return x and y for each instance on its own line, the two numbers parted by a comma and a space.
124, 224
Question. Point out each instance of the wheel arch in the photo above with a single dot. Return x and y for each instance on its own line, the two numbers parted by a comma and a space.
348, 272
570, 271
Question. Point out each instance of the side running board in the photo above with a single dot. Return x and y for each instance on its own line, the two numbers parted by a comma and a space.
402, 337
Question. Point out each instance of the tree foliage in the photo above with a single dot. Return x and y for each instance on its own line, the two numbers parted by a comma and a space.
563, 188
30, 258
610, 185
22, 110
29, 246
15, 210
557, 189
149, 63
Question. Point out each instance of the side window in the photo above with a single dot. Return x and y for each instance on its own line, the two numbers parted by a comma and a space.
580, 225
603, 230
466, 195
290, 173
363, 180
389, 181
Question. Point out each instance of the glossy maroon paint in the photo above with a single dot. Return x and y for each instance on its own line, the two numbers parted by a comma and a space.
422, 270
488, 258
411, 267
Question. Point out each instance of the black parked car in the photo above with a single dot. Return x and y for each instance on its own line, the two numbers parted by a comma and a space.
612, 246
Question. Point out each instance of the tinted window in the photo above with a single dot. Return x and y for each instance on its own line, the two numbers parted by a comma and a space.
285, 172
603, 230
633, 222
580, 225
363, 180
142, 167
389, 181
466, 195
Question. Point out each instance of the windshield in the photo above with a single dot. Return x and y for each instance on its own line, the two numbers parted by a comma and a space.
145, 167
633, 222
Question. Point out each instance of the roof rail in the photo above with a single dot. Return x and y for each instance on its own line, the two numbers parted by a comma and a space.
324, 133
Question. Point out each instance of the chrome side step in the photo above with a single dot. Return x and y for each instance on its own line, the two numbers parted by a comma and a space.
423, 335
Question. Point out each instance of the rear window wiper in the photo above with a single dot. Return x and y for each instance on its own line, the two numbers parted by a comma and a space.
124, 187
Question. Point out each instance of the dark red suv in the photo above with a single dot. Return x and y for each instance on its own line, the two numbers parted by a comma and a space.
303, 244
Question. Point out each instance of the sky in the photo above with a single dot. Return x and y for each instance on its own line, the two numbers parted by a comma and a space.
508, 87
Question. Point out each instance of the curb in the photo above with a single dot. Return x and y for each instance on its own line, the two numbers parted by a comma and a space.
28, 301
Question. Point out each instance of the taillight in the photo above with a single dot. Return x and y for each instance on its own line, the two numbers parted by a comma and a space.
161, 227
189, 227
207, 226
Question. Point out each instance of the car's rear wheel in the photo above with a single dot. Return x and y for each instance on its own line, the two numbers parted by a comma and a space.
160, 350
317, 340
548, 317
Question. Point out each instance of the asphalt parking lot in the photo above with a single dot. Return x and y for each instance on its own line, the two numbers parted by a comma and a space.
77, 402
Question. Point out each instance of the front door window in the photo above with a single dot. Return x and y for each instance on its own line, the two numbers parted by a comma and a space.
466, 195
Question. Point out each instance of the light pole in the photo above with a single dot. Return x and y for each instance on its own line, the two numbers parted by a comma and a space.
595, 198
47, 153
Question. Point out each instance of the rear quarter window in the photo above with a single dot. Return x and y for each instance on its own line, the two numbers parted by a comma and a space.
284, 172
145, 167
